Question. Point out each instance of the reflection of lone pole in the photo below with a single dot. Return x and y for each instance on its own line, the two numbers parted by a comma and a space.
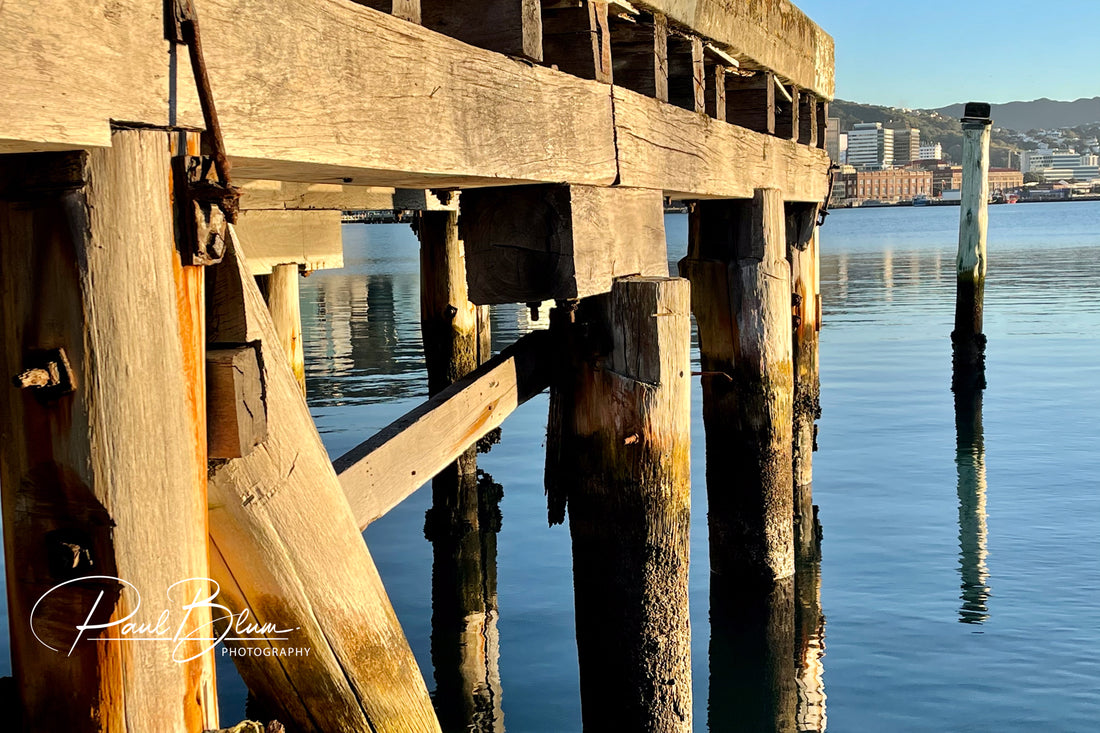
967, 338
973, 532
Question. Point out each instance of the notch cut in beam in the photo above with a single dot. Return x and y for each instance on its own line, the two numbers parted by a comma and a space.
383, 471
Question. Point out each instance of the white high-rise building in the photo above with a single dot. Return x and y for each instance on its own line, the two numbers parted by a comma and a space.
931, 152
870, 146
1060, 165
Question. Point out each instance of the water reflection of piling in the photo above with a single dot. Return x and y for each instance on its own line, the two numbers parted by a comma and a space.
462, 526
767, 650
752, 657
973, 532
809, 646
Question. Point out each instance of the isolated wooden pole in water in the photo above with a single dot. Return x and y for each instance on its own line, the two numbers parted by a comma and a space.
741, 296
967, 338
625, 460
103, 460
286, 315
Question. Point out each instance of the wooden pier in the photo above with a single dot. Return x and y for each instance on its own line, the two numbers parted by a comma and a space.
169, 167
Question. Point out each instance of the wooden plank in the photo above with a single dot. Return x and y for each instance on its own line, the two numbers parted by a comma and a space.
287, 548
310, 239
291, 195
763, 34
787, 114
495, 120
237, 415
750, 101
807, 119
686, 73
381, 472
107, 480
626, 443
639, 54
577, 40
689, 156
533, 243
512, 27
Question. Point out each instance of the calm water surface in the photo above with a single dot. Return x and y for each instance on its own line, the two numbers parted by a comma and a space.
960, 581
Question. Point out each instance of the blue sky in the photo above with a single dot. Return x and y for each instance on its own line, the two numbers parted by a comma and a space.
938, 52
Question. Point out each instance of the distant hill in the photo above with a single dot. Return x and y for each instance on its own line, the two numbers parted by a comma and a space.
1041, 114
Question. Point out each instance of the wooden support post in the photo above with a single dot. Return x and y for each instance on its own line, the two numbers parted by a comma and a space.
752, 656
967, 338
715, 99
741, 296
787, 118
622, 439
93, 292
750, 101
802, 253
807, 119
639, 54
286, 314
577, 39
512, 27
464, 517
405, 9
285, 545
822, 123
528, 244
686, 74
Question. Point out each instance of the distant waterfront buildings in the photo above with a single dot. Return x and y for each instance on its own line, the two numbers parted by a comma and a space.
1059, 165
870, 146
836, 142
888, 186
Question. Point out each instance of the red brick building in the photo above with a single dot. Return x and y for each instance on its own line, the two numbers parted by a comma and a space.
889, 186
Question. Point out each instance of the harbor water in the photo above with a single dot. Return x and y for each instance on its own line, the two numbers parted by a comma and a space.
960, 572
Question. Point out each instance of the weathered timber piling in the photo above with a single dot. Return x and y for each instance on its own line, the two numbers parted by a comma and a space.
623, 447
741, 297
802, 253
752, 656
269, 556
104, 460
967, 339
286, 315
464, 517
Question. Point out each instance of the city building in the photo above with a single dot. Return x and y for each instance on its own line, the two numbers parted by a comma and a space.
832, 138
870, 146
1060, 165
933, 151
906, 146
888, 186
949, 178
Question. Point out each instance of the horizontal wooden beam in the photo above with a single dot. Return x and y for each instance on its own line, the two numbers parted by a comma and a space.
292, 196
289, 112
764, 34
688, 155
380, 473
313, 240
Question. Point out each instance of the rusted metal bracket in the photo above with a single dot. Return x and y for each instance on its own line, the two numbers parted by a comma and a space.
203, 210
48, 373
204, 192
824, 210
